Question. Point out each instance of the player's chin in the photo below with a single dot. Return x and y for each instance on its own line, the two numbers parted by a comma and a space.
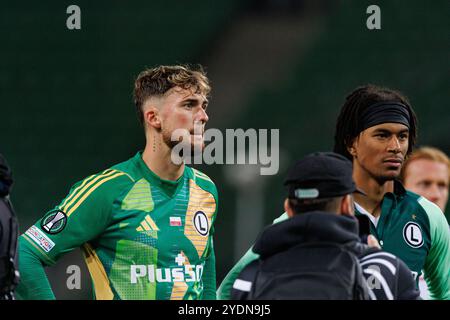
391, 174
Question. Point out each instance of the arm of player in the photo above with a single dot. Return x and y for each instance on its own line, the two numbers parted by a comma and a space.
33, 280
225, 288
437, 265
224, 291
82, 216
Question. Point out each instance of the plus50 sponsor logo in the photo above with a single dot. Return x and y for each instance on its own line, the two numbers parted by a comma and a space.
187, 273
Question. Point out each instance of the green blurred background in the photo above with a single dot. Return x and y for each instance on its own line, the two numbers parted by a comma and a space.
67, 111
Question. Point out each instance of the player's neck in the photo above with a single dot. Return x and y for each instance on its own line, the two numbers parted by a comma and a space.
157, 156
373, 189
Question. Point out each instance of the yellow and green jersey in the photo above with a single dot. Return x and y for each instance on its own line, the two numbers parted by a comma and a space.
142, 237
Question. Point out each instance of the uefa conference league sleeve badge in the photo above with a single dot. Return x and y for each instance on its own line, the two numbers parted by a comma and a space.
54, 221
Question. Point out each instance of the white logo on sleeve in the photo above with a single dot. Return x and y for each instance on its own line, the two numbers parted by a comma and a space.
413, 235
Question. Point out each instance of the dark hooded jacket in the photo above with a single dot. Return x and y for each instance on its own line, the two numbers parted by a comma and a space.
276, 247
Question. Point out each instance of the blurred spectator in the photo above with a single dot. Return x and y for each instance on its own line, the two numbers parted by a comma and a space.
427, 172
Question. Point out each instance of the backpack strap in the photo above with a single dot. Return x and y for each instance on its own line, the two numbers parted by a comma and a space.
360, 290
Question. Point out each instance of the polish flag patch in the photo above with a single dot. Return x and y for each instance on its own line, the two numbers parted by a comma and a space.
175, 221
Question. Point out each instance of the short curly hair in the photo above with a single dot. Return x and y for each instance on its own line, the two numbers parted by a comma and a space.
157, 81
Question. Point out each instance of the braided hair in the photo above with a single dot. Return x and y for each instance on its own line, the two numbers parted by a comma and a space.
354, 106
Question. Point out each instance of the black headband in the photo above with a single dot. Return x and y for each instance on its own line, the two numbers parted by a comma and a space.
384, 112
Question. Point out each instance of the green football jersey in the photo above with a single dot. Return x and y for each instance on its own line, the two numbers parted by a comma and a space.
142, 237
416, 231
411, 227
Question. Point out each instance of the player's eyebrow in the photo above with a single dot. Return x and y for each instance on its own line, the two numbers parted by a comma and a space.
191, 100
196, 101
387, 131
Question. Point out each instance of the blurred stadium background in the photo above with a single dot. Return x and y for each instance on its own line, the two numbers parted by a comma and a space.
67, 111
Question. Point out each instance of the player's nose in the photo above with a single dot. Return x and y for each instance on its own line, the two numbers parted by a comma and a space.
433, 193
202, 116
394, 145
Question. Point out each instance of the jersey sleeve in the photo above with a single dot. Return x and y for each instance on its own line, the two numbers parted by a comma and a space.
82, 216
33, 280
437, 264
225, 288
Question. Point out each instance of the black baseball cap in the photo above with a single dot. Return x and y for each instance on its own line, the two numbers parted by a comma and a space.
321, 175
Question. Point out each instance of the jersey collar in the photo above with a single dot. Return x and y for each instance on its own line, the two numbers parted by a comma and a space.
170, 187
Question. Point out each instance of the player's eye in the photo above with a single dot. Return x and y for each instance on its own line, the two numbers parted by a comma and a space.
442, 186
424, 184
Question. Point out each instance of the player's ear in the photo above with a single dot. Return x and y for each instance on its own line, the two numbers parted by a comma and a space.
351, 148
287, 207
152, 116
347, 205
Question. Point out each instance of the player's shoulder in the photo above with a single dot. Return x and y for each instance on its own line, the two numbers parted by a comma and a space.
411, 200
420, 202
432, 210
202, 180
426, 209
99, 188
199, 175
110, 181
421, 208
130, 168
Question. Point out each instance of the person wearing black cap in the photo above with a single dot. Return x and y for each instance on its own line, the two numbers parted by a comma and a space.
317, 253
9, 274
376, 130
